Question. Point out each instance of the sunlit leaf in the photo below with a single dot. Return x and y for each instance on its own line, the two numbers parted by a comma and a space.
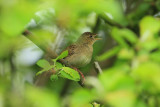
121, 35
148, 73
148, 39
115, 79
108, 54
96, 104
84, 96
70, 73
43, 63
147, 30
16, 15
65, 75
58, 65
126, 53
62, 55
40, 72
45, 70
121, 98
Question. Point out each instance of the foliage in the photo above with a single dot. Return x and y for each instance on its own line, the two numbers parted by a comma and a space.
45, 65
128, 53
61, 70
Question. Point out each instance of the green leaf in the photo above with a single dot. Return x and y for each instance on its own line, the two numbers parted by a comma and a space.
109, 54
62, 55
149, 45
40, 72
155, 56
54, 77
70, 73
58, 65
65, 75
121, 35
33, 95
45, 69
129, 35
116, 79
148, 73
148, 39
83, 96
147, 30
43, 63
121, 98
126, 53
15, 16
96, 104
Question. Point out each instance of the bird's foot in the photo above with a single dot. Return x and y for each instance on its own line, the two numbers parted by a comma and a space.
82, 76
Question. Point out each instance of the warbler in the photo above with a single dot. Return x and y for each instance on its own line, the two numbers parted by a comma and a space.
80, 52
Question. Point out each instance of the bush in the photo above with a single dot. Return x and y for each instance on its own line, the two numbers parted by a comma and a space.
32, 74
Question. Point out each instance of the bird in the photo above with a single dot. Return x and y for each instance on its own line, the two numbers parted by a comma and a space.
80, 52
79, 55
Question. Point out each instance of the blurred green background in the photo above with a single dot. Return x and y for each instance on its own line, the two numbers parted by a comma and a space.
128, 54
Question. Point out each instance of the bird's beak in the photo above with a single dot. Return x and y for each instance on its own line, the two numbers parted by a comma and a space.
97, 38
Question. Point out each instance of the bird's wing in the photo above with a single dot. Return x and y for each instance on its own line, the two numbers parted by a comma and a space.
71, 49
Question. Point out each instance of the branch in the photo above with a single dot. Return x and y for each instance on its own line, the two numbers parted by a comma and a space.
98, 68
13, 71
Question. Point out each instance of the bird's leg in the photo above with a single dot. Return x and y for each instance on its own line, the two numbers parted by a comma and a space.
83, 78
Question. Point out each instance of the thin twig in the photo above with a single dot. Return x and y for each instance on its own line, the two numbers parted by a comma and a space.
13, 69
98, 68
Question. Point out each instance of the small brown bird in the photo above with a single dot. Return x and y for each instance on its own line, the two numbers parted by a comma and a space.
80, 52
79, 55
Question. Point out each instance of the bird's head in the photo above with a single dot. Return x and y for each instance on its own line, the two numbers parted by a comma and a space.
88, 37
